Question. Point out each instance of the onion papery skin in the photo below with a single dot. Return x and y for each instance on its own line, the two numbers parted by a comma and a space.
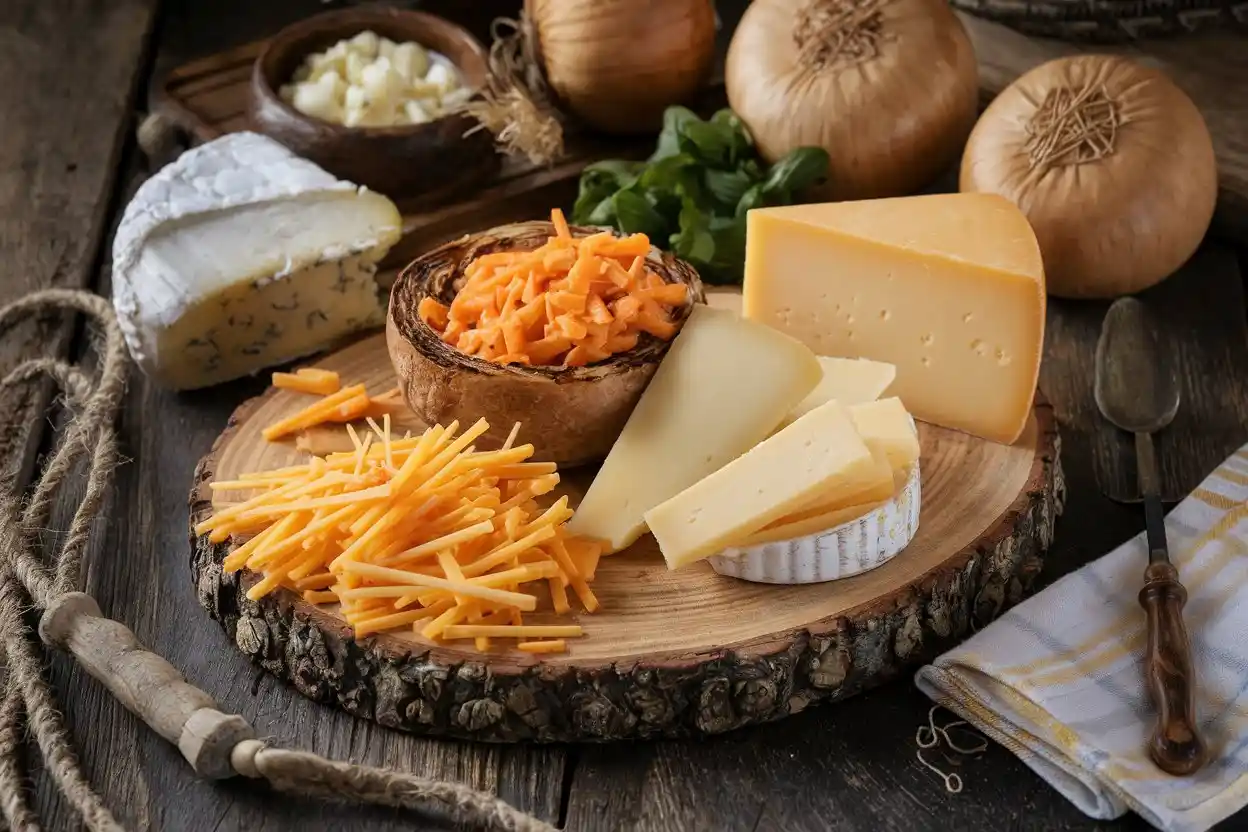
891, 122
617, 64
571, 415
1121, 223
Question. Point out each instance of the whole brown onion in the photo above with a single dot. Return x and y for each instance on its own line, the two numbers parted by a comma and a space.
1112, 165
617, 64
888, 87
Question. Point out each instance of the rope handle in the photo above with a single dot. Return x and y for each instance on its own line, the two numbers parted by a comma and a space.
147, 685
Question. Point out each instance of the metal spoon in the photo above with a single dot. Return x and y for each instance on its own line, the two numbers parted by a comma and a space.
1137, 390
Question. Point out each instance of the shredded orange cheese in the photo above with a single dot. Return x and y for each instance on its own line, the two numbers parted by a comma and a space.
423, 532
309, 380
570, 302
347, 404
339, 405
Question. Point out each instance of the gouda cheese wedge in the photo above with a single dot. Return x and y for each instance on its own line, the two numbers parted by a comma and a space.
949, 288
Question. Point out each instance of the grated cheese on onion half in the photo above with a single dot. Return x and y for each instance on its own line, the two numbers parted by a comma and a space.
572, 415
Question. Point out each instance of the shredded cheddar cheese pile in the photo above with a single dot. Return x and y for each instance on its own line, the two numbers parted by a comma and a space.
337, 405
422, 532
570, 302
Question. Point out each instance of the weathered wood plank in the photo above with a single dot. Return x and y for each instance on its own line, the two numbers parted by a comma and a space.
66, 102
138, 572
1201, 309
849, 767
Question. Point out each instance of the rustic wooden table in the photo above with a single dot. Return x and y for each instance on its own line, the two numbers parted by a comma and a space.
73, 73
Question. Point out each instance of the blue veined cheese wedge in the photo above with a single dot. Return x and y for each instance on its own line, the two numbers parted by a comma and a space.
240, 255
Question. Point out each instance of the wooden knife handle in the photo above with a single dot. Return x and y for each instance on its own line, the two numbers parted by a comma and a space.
1176, 745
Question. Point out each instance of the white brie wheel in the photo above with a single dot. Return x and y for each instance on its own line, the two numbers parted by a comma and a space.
851, 548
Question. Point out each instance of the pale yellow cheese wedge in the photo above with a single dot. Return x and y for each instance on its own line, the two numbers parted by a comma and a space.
949, 288
813, 524
820, 452
886, 428
880, 485
848, 381
724, 385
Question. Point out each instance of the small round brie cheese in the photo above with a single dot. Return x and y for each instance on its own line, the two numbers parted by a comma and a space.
848, 549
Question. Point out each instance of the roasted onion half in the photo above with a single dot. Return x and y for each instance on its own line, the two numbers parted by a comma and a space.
571, 415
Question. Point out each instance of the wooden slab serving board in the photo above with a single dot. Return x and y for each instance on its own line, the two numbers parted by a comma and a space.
670, 653
208, 98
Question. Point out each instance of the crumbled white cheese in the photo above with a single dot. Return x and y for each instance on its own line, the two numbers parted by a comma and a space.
374, 82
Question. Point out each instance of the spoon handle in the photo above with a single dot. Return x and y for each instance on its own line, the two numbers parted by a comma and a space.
1176, 745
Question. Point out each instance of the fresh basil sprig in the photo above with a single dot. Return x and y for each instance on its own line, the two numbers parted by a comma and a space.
693, 192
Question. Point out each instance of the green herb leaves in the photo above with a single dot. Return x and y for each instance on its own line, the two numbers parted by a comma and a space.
692, 195
799, 170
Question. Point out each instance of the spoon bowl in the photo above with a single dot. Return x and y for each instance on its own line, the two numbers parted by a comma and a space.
1136, 386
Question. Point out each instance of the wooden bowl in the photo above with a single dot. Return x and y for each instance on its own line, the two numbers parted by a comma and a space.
571, 415
425, 161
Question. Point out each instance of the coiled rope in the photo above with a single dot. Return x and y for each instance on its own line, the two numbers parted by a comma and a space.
33, 576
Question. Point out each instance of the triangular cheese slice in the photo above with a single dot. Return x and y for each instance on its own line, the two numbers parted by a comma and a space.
849, 381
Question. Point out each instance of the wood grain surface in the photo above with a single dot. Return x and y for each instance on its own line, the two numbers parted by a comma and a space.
850, 767
654, 656
1210, 345
66, 103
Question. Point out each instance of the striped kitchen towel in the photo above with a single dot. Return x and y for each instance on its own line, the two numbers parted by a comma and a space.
1058, 679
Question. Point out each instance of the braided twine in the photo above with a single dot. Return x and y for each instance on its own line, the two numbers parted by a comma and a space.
35, 576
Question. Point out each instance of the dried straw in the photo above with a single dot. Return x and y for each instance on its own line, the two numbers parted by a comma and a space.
515, 105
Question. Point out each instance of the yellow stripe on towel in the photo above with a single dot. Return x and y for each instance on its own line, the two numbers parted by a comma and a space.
1111, 633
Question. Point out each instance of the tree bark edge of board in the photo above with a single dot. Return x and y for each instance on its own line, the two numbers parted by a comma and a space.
426, 694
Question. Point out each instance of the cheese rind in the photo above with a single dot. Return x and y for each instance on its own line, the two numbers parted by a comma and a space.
848, 381
724, 384
830, 547
949, 288
240, 255
819, 453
